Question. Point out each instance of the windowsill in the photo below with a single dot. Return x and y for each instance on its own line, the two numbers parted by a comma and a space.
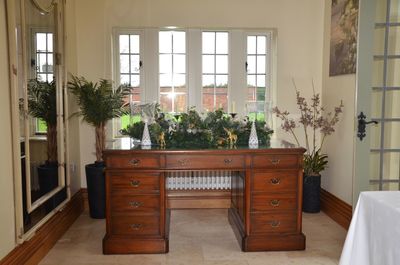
38, 138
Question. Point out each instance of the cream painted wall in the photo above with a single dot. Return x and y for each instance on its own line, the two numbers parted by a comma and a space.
73, 121
7, 223
338, 178
299, 26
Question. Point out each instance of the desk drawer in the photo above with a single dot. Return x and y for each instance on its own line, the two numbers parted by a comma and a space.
135, 225
273, 202
273, 223
205, 161
135, 181
135, 203
133, 161
275, 161
277, 180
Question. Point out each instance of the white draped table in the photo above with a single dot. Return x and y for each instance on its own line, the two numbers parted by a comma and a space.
374, 234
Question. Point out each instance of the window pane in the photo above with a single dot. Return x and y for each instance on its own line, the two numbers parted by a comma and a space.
221, 81
261, 44
165, 63
251, 45
135, 68
260, 80
180, 103
123, 43
42, 62
180, 83
50, 42
135, 46
222, 64
165, 90
222, 43
208, 80
251, 80
124, 79
179, 45
49, 66
261, 94
135, 80
165, 80
165, 42
41, 42
251, 64
251, 93
208, 64
166, 102
124, 63
260, 64
208, 99
179, 63
42, 77
208, 42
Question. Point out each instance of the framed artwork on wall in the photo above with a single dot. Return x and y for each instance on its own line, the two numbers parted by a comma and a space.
343, 41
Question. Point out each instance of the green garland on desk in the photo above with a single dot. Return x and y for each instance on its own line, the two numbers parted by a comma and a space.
191, 130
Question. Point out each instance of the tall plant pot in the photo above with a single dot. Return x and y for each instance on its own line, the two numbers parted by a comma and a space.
95, 180
48, 181
311, 194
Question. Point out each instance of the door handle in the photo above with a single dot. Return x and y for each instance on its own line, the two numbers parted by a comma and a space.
362, 124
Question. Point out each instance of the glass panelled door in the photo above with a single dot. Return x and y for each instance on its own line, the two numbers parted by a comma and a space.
377, 154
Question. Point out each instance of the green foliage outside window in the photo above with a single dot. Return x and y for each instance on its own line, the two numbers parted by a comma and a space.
41, 126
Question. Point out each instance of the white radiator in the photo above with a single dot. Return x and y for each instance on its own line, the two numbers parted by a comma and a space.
199, 180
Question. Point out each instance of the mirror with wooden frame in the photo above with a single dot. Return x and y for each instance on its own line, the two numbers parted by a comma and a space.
36, 45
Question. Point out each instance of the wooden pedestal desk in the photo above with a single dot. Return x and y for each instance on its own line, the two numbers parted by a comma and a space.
266, 195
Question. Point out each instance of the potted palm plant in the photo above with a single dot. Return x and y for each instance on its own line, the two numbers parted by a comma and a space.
313, 119
98, 103
42, 104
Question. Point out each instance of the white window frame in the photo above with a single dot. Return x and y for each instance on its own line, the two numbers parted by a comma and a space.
229, 54
188, 90
33, 71
268, 70
116, 124
237, 76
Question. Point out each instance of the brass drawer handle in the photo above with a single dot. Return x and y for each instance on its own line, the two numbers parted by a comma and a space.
275, 181
275, 203
135, 183
136, 226
227, 161
183, 162
275, 161
275, 224
135, 204
135, 162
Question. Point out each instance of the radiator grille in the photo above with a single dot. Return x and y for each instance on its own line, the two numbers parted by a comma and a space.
199, 180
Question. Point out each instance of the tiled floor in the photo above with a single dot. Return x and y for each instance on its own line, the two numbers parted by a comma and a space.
199, 237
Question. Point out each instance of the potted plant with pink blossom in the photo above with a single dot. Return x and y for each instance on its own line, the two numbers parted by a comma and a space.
314, 120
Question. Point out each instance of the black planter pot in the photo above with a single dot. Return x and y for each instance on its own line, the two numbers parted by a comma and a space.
311, 194
95, 180
48, 181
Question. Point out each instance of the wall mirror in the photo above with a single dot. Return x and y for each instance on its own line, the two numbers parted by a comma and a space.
36, 49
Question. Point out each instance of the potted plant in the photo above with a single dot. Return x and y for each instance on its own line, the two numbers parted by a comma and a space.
313, 120
98, 103
42, 104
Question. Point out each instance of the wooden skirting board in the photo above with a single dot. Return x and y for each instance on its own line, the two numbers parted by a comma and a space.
34, 250
335, 208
